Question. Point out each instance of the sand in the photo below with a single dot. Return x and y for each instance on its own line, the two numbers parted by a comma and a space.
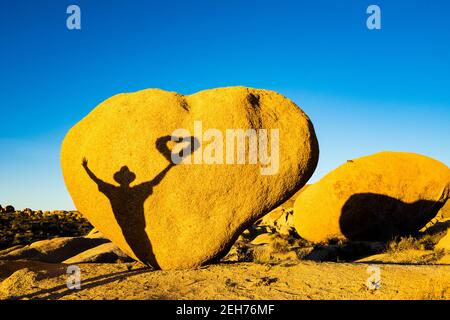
289, 280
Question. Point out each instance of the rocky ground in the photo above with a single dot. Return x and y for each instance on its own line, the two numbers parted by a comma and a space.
26, 226
286, 280
269, 261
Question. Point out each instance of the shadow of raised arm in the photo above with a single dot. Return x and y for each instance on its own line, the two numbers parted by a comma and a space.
161, 145
191, 144
148, 185
101, 184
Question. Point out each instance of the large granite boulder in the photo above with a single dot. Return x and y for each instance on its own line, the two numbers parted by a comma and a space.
170, 180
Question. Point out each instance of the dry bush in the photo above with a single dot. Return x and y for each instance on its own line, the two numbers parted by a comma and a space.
403, 244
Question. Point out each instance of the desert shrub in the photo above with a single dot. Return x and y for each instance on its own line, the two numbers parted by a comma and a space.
404, 243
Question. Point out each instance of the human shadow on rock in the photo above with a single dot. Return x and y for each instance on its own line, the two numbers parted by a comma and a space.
376, 217
127, 201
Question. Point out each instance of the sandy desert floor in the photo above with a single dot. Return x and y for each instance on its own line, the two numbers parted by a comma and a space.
267, 262
291, 280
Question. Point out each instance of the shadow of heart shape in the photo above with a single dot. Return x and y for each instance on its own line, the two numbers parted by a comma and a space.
192, 144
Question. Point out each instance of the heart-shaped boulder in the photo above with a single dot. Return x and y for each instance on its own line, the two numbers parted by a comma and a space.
236, 153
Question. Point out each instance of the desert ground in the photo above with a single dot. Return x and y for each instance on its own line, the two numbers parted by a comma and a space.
269, 261
289, 280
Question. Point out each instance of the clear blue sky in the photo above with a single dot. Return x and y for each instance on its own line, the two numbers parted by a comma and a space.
365, 91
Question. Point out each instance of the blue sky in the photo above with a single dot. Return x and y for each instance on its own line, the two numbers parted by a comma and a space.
365, 90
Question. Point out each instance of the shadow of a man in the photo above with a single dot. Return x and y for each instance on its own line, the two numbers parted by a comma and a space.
127, 201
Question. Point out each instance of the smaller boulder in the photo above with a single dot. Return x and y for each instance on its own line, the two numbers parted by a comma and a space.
265, 238
373, 198
54, 250
9, 209
410, 256
444, 213
10, 249
445, 260
281, 220
21, 281
104, 253
444, 243
95, 234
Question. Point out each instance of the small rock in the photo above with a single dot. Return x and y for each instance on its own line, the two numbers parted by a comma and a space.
411, 256
54, 250
270, 218
18, 283
266, 281
104, 253
445, 259
95, 234
444, 213
444, 243
9, 209
10, 249
266, 254
280, 219
264, 238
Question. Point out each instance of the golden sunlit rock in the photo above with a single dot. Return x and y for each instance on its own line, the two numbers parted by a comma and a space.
117, 167
373, 198
444, 243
